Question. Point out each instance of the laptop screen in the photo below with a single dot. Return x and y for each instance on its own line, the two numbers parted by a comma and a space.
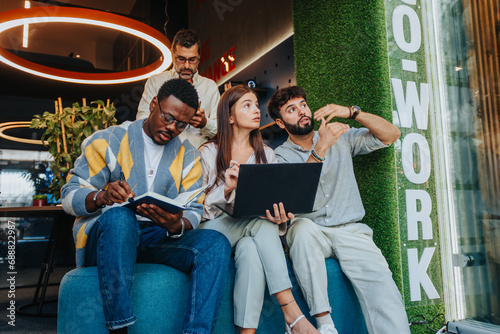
261, 185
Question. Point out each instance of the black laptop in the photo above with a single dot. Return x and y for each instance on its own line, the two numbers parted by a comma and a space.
261, 185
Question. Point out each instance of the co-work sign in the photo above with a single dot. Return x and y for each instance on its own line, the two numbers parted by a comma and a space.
412, 106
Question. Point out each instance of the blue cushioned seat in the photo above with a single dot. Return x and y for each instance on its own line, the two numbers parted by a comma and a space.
159, 296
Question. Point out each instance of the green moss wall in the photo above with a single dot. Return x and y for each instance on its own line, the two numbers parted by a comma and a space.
341, 56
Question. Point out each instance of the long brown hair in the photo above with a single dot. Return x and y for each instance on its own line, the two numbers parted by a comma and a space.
223, 139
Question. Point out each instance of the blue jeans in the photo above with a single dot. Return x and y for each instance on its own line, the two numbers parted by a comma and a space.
117, 241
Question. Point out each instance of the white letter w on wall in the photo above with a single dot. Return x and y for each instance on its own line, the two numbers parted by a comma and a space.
406, 105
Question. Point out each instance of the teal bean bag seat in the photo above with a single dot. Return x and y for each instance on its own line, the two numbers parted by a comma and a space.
159, 296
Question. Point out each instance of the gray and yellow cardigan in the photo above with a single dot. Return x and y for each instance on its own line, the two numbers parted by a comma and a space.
118, 152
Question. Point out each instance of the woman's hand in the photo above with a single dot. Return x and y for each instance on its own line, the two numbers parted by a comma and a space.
231, 178
280, 215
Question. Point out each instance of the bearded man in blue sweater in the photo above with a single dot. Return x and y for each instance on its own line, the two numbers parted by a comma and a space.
128, 160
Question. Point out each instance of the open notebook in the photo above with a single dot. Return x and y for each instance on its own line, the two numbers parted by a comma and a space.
261, 185
171, 205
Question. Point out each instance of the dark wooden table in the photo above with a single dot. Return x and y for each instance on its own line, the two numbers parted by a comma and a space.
43, 279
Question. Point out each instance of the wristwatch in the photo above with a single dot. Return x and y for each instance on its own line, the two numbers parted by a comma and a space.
354, 111
175, 236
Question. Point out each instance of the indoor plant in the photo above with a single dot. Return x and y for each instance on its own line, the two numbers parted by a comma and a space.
66, 129
40, 200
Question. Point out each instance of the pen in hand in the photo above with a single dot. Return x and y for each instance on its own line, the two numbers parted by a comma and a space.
122, 179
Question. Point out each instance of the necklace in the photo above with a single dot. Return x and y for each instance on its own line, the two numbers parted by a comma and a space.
152, 164
156, 150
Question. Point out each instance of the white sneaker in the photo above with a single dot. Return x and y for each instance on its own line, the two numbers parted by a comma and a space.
328, 329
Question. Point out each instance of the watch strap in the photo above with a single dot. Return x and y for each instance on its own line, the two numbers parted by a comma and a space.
354, 111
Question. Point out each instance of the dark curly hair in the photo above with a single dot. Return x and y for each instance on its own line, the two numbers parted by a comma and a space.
186, 38
281, 97
181, 89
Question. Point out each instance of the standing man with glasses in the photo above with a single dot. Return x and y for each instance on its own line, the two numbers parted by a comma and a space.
186, 50
131, 159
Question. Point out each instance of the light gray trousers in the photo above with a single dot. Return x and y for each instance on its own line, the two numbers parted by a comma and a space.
360, 260
259, 258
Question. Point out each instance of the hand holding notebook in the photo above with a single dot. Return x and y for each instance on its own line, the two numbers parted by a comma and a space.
175, 205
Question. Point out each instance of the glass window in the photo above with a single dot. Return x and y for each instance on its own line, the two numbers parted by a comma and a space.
15, 188
468, 62
22, 175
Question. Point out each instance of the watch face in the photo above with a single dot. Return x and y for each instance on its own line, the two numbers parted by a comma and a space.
355, 112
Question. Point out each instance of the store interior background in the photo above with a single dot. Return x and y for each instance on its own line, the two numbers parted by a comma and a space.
267, 62
23, 95
79, 48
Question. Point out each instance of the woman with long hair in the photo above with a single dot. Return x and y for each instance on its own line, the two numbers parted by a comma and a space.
257, 247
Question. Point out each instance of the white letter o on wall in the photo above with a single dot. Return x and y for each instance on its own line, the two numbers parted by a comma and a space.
424, 157
399, 32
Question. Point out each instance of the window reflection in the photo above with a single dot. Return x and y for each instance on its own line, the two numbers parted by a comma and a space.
15, 189
22, 176
470, 50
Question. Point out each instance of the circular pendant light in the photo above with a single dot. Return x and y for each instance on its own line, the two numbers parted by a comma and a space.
14, 125
52, 14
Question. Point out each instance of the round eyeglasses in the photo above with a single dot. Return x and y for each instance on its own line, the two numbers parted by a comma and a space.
167, 120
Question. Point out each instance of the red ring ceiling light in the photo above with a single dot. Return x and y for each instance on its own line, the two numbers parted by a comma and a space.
52, 14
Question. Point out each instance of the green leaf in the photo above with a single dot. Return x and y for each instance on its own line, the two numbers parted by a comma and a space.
101, 102
66, 157
34, 123
87, 131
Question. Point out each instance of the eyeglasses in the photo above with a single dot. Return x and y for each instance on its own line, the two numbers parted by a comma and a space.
167, 120
182, 60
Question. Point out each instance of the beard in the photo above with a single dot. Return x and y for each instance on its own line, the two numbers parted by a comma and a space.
186, 76
298, 129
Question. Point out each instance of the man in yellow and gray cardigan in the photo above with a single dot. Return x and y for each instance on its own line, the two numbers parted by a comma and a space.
128, 160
